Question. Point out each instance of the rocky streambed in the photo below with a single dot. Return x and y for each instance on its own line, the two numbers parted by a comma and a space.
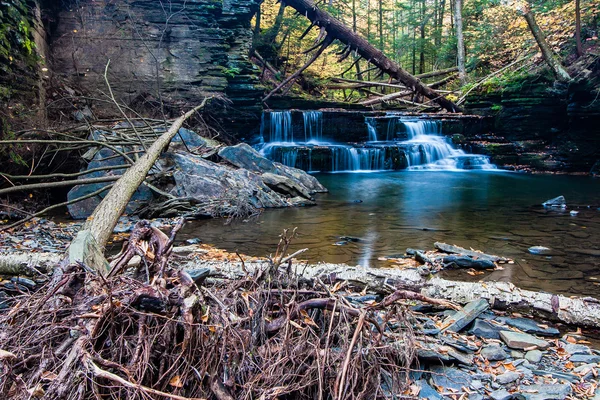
479, 351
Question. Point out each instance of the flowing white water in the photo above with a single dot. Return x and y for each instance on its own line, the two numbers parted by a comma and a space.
425, 148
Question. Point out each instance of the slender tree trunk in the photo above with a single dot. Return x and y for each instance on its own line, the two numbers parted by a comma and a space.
578, 28
357, 65
462, 73
558, 70
257, 25
440, 24
422, 44
381, 25
344, 34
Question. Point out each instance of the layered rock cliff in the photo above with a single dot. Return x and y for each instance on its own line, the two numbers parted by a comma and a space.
177, 51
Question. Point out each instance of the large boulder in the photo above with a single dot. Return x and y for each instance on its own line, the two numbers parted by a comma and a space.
103, 158
244, 156
206, 181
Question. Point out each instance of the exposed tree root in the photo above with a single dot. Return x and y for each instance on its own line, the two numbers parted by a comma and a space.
153, 333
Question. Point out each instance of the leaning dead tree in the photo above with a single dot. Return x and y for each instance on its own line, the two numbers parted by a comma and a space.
332, 29
558, 70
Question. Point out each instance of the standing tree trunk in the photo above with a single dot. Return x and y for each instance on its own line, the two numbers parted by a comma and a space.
460, 44
337, 30
559, 71
257, 26
381, 25
578, 28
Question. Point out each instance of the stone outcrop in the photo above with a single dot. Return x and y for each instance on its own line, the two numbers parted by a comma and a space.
539, 125
184, 52
23, 55
244, 183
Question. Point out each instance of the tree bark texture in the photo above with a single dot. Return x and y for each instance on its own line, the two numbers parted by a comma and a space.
338, 30
578, 28
559, 72
460, 44
581, 311
104, 218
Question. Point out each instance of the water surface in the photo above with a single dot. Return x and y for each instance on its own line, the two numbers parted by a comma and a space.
496, 212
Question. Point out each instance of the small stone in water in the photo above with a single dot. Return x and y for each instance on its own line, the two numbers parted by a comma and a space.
193, 241
538, 250
556, 202
340, 243
574, 213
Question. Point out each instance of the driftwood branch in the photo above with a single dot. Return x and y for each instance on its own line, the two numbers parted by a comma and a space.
104, 218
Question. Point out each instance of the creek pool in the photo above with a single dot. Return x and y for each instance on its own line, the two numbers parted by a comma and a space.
492, 211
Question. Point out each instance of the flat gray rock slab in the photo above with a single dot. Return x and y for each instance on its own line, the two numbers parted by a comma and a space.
522, 341
448, 377
500, 394
546, 392
464, 317
427, 392
529, 326
493, 353
507, 377
485, 330
585, 358
534, 356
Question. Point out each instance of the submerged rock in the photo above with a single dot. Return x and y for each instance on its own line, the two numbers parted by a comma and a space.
556, 202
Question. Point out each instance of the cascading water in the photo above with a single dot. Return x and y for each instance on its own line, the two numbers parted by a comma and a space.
315, 153
412, 143
313, 126
427, 149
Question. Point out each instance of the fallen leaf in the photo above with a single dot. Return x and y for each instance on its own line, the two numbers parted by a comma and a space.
48, 375
176, 382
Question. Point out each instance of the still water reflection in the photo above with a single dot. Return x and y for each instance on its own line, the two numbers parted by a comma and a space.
496, 212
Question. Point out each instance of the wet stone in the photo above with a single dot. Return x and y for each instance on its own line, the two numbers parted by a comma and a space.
534, 356
494, 353
584, 358
574, 349
529, 326
486, 330
507, 377
521, 341
450, 378
546, 392
500, 394
427, 392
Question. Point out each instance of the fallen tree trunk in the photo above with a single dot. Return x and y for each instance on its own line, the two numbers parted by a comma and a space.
558, 70
104, 218
337, 30
389, 97
580, 311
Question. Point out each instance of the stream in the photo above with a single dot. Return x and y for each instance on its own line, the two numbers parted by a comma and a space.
387, 212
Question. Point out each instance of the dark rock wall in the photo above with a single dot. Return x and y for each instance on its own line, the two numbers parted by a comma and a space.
540, 126
23, 53
182, 49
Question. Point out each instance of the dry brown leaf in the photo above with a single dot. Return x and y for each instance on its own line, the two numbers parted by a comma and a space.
48, 375
176, 382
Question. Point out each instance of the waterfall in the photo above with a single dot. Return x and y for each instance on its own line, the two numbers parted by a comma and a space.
427, 149
424, 147
280, 127
371, 128
313, 126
